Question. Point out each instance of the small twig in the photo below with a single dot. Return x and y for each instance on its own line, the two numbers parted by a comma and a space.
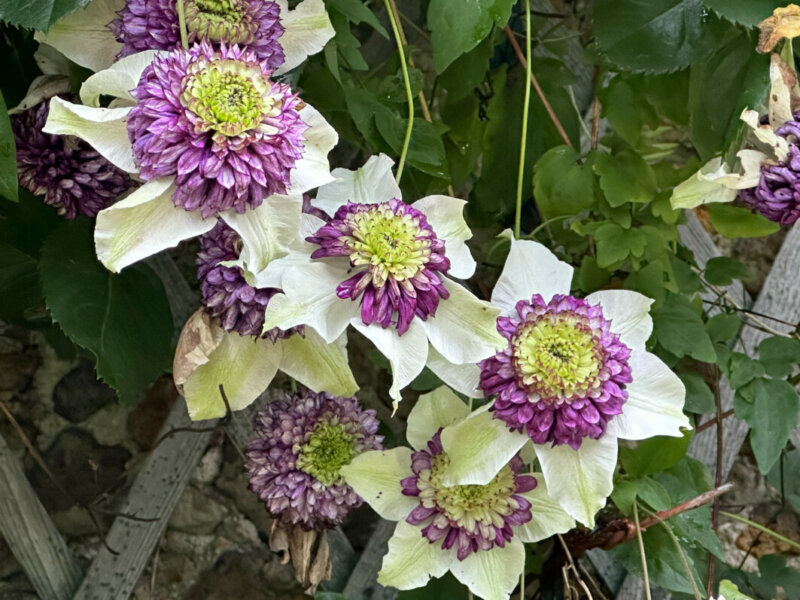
696, 502
593, 583
573, 568
684, 561
747, 311
537, 87
713, 421
762, 529
595, 110
641, 551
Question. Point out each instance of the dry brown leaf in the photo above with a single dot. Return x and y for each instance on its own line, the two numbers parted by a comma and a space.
308, 551
784, 23
199, 338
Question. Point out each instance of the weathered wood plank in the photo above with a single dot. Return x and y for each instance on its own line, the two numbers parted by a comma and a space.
154, 494
362, 584
36, 543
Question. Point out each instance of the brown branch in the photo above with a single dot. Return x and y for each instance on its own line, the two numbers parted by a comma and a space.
717, 481
713, 421
537, 87
595, 110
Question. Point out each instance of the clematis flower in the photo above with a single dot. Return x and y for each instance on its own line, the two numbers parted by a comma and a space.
766, 176
294, 464
70, 174
573, 378
104, 30
224, 342
382, 266
475, 531
211, 134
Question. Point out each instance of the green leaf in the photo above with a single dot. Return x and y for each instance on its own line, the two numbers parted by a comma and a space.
790, 472
123, 320
625, 178
561, 186
723, 327
357, 13
779, 355
743, 370
8, 156
426, 148
457, 27
41, 14
734, 222
679, 330
770, 408
615, 244
589, 276
745, 12
20, 294
645, 489
656, 36
467, 72
730, 591
653, 455
722, 270
699, 397
626, 109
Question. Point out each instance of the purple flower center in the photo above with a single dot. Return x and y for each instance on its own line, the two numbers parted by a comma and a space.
397, 258
216, 122
562, 376
469, 517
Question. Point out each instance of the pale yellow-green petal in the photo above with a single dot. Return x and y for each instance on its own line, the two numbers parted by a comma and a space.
118, 80
439, 408
320, 366
462, 378
376, 477
307, 29
548, 518
84, 36
582, 479
478, 447
102, 128
446, 215
492, 574
464, 329
412, 560
373, 183
143, 224
244, 365
313, 169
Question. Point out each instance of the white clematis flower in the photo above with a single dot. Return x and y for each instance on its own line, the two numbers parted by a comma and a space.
475, 532
573, 378
382, 266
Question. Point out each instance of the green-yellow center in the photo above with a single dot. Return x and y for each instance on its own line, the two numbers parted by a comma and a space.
468, 505
229, 96
556, 356
389, 243
218, 20
328, 449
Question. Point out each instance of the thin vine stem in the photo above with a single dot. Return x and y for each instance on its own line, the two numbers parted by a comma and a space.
761, 528
641, 551
524, 134
409, 95
182, 24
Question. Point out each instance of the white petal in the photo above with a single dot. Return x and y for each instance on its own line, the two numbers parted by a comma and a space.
462, 378
582, 479
376, 477
50, 61
548, 518
750, 161
530, 269
84, 36
320, 366
439, 408
102, 128
243, 365
143, 224
313, 169
407, 353
766, 135
307, 29
412, 560
310, 299
492, 574
478, 447
267, 231
655, 401
780, 97
464, 329
706, 186
629, 313
371, 184
118, 80
42, 88
446, 216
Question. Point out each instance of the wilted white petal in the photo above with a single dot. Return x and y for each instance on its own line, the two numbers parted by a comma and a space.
371, 184
307, 29
783, 79
766, 135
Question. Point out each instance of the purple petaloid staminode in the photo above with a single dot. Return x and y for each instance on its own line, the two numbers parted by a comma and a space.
438, 504
580, 405
283, 430
70, 174
777, 195
397, 258
226, 295
153, 25
213, 171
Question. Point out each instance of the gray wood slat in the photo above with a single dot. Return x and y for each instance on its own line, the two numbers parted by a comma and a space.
154, 494
362, 584
29, 532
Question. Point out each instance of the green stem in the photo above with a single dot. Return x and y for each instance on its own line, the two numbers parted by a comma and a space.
409, 96
641, 550
761, 528
525, 108
182, 25
532, 235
